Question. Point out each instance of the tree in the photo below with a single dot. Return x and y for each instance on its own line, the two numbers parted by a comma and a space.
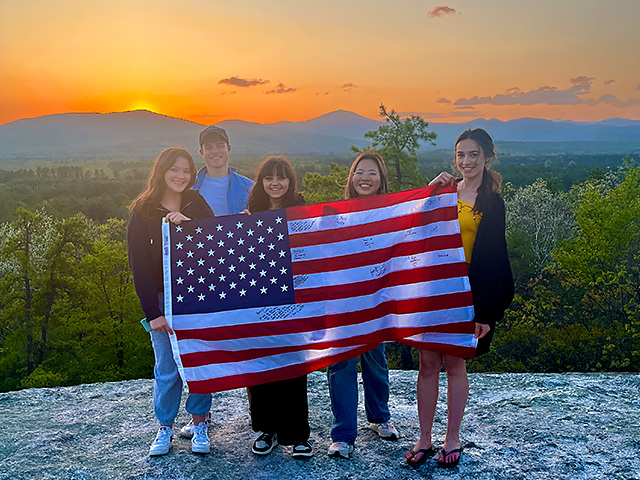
605, 256
398, 142
325, 188
542, 218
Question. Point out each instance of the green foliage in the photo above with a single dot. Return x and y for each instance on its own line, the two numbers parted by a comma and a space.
398, 142
64, 191
325, 188
540, 219
581, 313
69, 313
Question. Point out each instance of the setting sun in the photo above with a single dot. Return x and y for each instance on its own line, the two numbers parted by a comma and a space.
295, 60
142, 105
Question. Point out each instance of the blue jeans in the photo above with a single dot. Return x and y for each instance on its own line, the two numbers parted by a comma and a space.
167, 389
343, 389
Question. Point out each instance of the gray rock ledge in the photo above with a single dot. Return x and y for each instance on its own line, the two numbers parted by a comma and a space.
517, 426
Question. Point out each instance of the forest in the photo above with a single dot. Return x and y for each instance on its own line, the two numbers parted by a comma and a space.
69, 313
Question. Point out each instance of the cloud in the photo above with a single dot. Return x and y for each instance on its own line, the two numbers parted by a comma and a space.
441, 11
612, 100
444, 100
581, 85
242, 82
543, 95
638, 87
609, 82
281, 88
347, 87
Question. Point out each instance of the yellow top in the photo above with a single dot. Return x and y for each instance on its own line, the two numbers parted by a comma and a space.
469, 221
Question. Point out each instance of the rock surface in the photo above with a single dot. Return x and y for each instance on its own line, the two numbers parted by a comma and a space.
517, 426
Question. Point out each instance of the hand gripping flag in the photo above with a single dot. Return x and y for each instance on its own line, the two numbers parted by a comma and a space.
275, 295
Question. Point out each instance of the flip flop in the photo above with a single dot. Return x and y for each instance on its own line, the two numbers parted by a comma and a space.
426, 453
445, 454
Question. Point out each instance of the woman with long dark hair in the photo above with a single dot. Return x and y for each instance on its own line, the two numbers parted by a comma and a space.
168, 196
367, 177
279, 409
481, 215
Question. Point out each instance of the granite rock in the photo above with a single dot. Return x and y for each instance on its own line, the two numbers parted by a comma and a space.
516, 426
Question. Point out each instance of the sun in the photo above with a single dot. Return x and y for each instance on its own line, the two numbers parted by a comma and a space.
142, 105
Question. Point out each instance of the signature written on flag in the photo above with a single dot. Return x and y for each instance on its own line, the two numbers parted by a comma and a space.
278, 294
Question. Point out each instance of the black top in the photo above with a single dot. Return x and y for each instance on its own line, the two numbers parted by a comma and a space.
144, 246
490, 271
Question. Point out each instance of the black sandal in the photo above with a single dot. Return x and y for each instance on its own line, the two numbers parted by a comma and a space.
426, 453
445, 454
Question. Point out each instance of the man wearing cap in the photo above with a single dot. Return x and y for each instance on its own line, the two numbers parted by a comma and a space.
225, 191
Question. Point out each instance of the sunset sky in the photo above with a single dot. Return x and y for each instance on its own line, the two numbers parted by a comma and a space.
265, 61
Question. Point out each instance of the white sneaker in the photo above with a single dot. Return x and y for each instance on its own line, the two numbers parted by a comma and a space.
340, 449
162, 443
385, 430
187, 430
200, 441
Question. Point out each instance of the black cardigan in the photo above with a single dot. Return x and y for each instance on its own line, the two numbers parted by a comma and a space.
490, 271
144, 246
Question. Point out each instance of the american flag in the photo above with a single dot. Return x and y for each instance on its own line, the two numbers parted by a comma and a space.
278, 294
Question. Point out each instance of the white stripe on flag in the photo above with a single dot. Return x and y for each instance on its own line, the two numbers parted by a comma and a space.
249, 316
422, 319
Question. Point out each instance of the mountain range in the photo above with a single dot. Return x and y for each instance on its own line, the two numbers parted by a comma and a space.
143, 134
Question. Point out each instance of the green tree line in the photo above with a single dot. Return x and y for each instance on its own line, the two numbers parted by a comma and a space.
69, 313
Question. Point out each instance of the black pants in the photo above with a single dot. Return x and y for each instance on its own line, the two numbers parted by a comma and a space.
281, 408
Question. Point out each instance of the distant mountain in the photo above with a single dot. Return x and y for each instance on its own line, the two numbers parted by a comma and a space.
143, 134
336, 124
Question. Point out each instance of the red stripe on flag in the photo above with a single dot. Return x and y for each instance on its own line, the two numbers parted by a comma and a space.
379, 227
360, 204
215, 357
354, 260
291, 371
312, 324
403, 277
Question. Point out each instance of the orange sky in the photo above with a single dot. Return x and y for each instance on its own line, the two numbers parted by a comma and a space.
209, 60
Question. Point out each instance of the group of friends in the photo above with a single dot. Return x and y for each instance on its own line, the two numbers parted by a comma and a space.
279, 411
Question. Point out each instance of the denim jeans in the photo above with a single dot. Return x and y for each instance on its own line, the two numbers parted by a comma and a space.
343, 389
167, 389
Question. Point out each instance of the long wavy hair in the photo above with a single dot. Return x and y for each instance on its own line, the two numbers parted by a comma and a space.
350, 192
276, 165
156, 185
491, 180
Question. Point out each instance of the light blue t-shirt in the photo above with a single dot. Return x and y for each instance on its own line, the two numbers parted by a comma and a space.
214, 190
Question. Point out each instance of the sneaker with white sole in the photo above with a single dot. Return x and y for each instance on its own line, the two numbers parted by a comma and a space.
264, 443
340, 449
187, 430
162, 443
200, 441
385, 430
302, 450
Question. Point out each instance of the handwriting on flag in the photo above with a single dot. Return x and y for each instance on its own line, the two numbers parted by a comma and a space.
278, 294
